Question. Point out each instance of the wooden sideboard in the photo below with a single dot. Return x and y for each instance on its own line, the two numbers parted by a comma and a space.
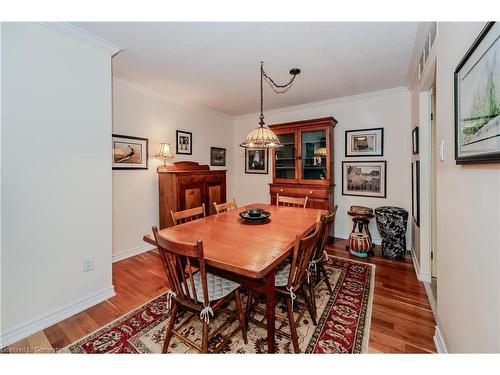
304, 165
186, 185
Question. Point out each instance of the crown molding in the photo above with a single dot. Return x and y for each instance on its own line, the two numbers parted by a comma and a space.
420, 39
162, 96
327, 102
66, 28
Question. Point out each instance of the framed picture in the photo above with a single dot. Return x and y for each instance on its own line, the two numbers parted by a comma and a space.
217, 156
415, 192
256, 161
364, 178
184, 144
364, 142
414, 140
477, 100
129, 152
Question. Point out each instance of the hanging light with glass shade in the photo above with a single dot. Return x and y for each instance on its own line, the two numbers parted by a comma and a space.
263, 136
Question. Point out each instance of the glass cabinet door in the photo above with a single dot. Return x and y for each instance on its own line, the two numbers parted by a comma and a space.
285, 157
314, 155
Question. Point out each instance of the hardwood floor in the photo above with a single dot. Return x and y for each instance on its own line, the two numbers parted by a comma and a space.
402, 320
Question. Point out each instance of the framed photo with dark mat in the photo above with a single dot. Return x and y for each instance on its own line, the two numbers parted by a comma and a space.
414, 140
129, 152
184, 143
217, 156
256, 161
477, 100
415, 192
364, 142
364, 178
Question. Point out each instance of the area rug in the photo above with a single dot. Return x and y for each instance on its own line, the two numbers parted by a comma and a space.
343, 322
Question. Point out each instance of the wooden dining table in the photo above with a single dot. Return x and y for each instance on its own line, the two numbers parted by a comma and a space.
248, 253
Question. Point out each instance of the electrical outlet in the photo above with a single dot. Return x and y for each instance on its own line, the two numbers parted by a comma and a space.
88, 264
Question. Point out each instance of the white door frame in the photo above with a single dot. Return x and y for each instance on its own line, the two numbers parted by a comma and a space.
426, 170
425, 142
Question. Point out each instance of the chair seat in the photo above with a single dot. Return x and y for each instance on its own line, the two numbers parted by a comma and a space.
281, 277
218, 287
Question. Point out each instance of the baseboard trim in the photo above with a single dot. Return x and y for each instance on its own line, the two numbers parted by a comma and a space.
439, 342
131, 252
422, 276
26, 329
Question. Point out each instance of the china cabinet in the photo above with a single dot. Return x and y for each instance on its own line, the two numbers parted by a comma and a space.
304, 165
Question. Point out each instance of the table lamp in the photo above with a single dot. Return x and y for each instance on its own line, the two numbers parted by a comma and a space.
164, 153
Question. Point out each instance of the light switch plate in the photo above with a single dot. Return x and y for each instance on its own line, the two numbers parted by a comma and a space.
88, 264
441, 151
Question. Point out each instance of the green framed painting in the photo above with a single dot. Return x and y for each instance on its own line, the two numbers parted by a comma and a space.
477, 100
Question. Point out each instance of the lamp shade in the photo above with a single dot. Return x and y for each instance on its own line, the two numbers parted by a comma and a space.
261, 137
320, 151
164, 151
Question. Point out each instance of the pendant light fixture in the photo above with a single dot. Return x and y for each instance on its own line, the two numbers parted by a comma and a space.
263, 136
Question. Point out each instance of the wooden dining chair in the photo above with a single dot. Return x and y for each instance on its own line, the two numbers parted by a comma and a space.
199, 292
291, 201
190, 214
316, 268
290, 282
223, 207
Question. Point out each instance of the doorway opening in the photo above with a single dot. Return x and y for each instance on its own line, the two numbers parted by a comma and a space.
428, 155
432, 186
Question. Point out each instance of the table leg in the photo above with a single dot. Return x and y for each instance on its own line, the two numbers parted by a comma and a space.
270, 313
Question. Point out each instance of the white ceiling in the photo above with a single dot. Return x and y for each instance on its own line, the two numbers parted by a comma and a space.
216, 65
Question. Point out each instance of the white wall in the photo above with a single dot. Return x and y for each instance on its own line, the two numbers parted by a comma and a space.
468, 220
145, 113
56, 177
389, 109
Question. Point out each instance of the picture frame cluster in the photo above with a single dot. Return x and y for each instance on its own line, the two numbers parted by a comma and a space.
367, 178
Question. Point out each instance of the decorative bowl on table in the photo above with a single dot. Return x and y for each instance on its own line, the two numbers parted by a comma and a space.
255, 215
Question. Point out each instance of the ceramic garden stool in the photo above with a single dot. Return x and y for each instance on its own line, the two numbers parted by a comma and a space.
391, 223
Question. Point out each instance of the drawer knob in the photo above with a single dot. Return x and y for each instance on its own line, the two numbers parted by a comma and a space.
311, 192
281, 190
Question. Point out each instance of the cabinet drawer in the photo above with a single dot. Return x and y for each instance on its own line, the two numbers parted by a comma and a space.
183, 180
215, 178
300, 191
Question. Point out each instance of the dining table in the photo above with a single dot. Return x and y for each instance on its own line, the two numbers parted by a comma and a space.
248, 253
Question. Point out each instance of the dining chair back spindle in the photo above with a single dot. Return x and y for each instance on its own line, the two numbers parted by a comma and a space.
302, 254
194, 289
291, 201
290, 282
223, 207
190, 214
324, 234
316, 268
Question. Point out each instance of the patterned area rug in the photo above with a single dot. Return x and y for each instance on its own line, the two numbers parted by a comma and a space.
343, 322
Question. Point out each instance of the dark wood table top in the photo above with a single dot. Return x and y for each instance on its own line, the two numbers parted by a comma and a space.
250, 250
